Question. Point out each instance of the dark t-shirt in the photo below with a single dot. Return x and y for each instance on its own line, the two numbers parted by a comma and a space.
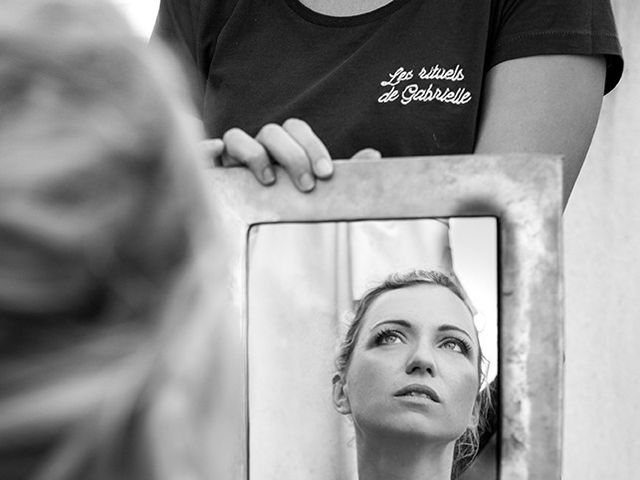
405, 79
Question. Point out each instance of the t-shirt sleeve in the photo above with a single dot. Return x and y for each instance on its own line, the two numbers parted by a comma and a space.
523, 28
177, 27
176, 24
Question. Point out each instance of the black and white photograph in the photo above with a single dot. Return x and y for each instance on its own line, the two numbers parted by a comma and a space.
319, 239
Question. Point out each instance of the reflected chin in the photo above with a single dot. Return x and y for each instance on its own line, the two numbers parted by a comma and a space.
407, 419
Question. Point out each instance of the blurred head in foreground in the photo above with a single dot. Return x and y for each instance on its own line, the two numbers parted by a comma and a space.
105, 234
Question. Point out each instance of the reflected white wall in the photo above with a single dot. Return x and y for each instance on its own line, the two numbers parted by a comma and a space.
474, 250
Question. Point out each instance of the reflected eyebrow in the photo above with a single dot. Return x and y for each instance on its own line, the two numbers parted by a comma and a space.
447, 327
402, 323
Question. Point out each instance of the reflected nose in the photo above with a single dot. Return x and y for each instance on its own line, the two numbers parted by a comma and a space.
421, 361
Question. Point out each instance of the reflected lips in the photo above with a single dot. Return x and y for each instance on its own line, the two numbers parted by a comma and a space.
418, 391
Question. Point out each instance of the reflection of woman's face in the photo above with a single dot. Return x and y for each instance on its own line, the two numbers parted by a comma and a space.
414, 368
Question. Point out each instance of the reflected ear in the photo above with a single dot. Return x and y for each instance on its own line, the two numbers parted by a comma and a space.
340, 399
475, 413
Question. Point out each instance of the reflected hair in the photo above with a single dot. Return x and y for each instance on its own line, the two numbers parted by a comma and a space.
467, 446
105, 237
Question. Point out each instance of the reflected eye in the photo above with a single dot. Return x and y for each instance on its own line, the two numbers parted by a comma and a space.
388, 337
456, 345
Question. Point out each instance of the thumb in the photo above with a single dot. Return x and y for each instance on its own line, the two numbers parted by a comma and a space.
212, 149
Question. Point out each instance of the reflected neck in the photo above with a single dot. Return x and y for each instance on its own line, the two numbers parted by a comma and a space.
342, 8
390, 458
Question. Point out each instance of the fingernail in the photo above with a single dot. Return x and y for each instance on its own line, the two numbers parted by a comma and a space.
215, 144
268, 176
306, 181
324, 167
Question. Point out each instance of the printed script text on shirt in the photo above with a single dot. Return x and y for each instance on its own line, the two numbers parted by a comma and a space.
399, 90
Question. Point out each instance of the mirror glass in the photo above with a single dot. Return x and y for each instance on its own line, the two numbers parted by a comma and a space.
304, 280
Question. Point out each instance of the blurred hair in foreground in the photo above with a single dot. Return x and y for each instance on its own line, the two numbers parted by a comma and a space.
110, 355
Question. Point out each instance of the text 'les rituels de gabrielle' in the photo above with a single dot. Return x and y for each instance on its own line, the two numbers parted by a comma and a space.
415, 93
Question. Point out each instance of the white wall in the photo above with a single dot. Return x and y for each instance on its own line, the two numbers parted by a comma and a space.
602, 260
141, 14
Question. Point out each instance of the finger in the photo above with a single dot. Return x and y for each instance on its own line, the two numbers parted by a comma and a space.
288, 153
241, 147
227, 160
317, 153
367, 154
212, 149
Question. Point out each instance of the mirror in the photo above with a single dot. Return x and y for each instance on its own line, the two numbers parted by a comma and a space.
304, 281
523, 196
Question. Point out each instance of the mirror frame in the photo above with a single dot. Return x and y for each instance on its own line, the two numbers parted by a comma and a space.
524, 192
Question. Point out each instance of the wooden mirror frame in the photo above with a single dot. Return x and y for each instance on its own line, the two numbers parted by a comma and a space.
524, 192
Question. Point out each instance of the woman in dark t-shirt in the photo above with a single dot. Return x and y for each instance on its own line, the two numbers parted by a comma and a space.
298, 82
301, 82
